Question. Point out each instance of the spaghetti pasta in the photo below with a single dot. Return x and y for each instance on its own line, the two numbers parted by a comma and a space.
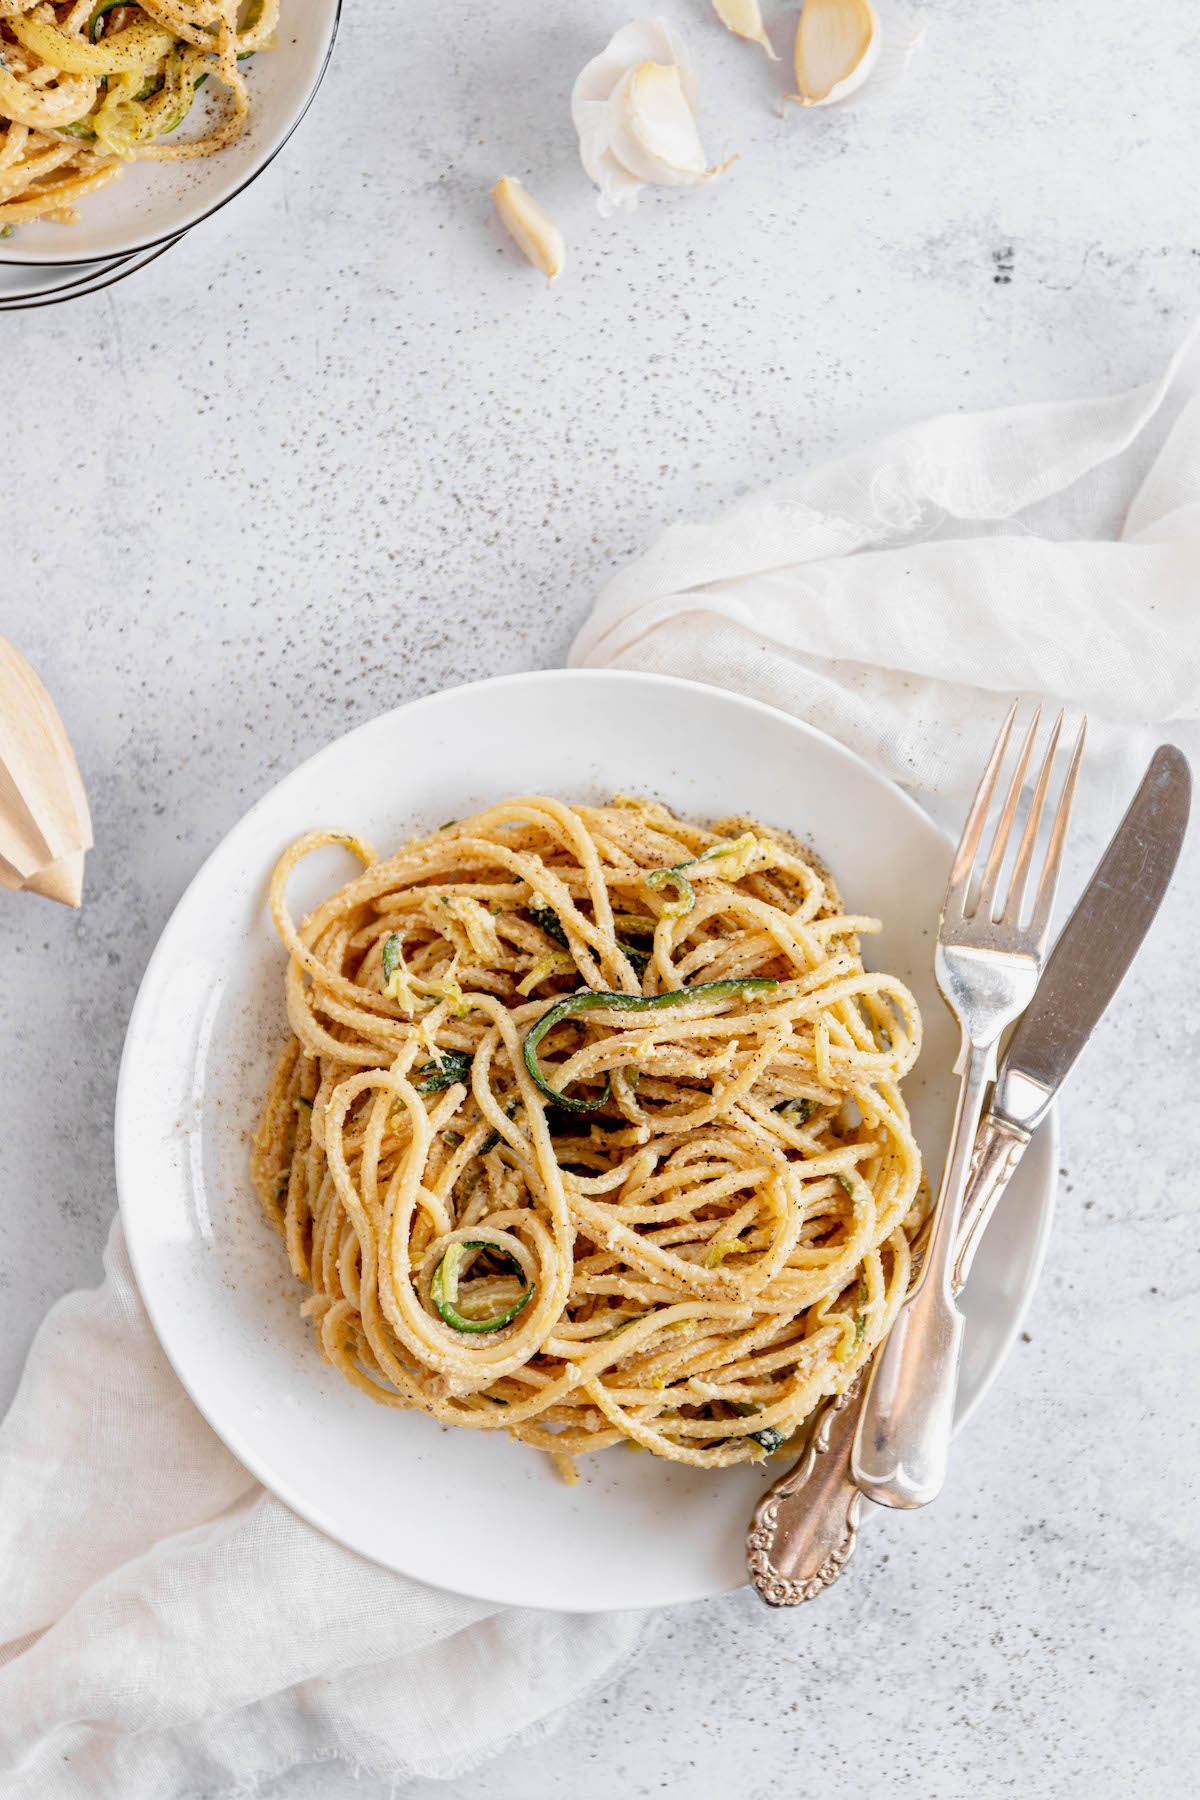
88, 86
588, 1129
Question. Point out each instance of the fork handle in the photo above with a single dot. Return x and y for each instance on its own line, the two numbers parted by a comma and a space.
804, 1527
902, 1445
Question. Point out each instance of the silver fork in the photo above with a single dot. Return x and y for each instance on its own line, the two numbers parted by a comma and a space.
987, 969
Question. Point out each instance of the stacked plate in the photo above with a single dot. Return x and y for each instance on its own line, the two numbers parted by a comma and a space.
128, 225
45, 284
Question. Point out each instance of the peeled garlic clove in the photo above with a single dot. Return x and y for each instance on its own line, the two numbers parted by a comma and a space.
530, 226
634, 107
654, 132
837, 46
744, 19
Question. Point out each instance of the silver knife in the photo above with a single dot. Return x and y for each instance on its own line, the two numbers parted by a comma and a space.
804, 1527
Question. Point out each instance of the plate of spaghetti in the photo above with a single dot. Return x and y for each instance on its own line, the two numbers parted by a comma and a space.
122, 125
545, 1072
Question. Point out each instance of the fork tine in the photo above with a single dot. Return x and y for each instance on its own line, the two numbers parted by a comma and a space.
991, 874
968, 844
1020, 874
1048, 886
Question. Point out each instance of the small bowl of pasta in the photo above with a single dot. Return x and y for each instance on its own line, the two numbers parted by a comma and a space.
123, 125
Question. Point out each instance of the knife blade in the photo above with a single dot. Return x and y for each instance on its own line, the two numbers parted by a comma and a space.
1086, 967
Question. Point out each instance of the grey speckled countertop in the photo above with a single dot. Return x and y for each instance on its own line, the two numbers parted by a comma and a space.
341, 448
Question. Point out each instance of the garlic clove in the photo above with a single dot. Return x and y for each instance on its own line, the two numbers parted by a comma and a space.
62, 880
744, 18
837, 46
654, 131
45, 827
624, 124
530, 226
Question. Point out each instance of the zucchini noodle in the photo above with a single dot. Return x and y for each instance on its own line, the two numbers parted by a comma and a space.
89, 86
561, 1154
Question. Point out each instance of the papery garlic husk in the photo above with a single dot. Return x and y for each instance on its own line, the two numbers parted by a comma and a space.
851, 50
744, 18
634, 107
530, 226
45, 827
654, 130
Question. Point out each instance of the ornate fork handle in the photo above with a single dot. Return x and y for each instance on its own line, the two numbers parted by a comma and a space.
805, 1527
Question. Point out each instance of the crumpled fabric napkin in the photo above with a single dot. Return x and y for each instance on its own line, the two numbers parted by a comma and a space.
169, 1631
891, 598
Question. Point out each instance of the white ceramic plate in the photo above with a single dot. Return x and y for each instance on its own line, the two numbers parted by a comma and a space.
153, 201
30, 282
208, 1023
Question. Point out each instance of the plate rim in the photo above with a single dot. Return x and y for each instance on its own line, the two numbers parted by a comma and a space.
123, 1131
99, 265
148, 240
106, 277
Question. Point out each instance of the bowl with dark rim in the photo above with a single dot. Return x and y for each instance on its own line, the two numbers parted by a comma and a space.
155, 202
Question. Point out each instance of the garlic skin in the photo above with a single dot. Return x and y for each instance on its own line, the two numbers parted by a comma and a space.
530, 226
653, 130
852, 50
634, 108
744, 18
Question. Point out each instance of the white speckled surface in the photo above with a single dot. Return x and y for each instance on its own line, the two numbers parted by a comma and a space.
341, 447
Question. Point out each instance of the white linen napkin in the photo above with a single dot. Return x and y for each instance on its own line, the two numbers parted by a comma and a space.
169, 1631
891, 598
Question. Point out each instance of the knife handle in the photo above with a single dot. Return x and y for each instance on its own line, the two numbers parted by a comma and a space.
805, 1526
